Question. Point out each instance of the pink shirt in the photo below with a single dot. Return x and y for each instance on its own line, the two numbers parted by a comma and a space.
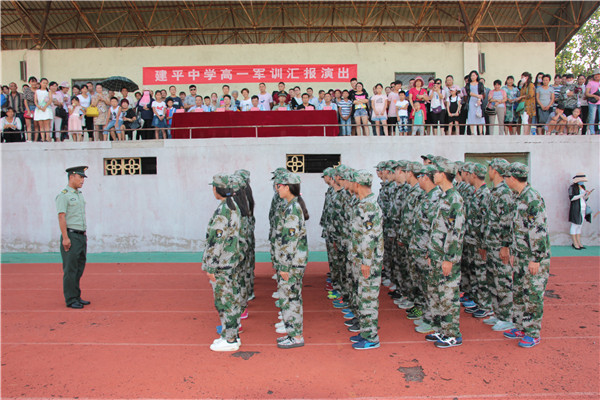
593, 86
393, 97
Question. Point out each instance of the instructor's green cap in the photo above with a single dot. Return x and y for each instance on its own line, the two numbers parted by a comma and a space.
80, 170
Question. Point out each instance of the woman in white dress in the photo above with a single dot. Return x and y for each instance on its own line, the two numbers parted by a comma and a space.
43, 112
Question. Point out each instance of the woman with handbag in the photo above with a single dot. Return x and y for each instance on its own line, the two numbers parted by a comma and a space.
102, 102
475, 94
85, 101
527, 97
497, 103
577, 211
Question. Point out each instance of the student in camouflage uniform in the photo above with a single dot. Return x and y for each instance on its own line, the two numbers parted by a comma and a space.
465, 189
475, 216
221, 260
419, 244
497, 237
367, 249
291, 257
445, 251
325, 222
530, 256
410, 283
250, 257
383, 199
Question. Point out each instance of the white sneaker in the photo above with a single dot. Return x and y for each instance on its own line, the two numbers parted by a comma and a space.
274, 276
387, 282
224, 345
418, 321
275, 295
281, 329
393, 287
490, 321
502, 326
280, 324
217, 340
405, 305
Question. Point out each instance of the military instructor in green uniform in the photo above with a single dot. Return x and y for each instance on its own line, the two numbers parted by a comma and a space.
70, 207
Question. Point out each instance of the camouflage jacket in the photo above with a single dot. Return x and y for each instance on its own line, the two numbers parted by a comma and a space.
497, 225
222, 249
290, 243
396, 206
334, 225
367, 232
326, 214
424, 214
476, 210
530, 226
386, 210
348, 201
448, 228
413, 197
276, 204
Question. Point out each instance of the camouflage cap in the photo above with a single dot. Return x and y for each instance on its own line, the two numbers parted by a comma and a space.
401, 164
518, 170
288, 179
499, 164
327, 172
363, 177
348, 174
381, 165
429, 169
412, 165
221, 181
478, 169
466, 166
429, 157
279, 170
391, 165
339, 170
418, 168
244, 173
445, 165
236, 182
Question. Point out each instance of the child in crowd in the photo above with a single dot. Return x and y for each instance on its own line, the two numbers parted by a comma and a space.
114, 120
418, 117
128, 117
170, 112
574, 123
557, 123
453, 105
402, 108
345, 108
75, 120
379, 107
159, 122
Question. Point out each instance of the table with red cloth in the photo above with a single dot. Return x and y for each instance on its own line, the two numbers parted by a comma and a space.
254, 124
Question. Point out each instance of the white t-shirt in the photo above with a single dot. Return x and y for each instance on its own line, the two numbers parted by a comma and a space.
379, 105
399, 105
160, 107
265, 100
245, 105
114, 112
84, 102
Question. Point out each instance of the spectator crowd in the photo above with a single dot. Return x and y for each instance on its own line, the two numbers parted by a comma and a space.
47, 111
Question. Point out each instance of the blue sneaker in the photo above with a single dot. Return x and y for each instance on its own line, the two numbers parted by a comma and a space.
340, 305
469, 303
328, 280
447, 342
219, 329
346, 310
528, 341
356, 338
483, 313
349, 315
513, 334
365, 345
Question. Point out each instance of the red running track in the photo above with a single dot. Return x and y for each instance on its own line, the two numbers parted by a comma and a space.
147, 332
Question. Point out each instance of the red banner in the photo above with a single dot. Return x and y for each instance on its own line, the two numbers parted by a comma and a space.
249, 74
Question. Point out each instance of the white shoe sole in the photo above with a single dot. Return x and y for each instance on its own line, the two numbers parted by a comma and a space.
281, 330
229, 347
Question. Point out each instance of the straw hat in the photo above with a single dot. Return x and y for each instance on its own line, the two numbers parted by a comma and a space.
579, 177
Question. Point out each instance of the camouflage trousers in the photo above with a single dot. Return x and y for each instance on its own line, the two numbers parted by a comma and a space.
481, 282
242, 274
388, 255
250, 264
422, 275
401, 272
467, 270
334, 264
368, 301
528, 292
290, 301
500, 276
227, 302
445, 307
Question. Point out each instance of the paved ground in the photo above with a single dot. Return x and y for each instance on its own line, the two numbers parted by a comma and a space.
147, 332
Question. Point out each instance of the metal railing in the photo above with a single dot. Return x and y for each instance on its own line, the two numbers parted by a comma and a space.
440, 130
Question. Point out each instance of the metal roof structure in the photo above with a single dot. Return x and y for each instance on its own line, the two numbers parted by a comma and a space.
89, 24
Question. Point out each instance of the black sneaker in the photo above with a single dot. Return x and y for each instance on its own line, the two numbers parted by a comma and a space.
354, 328
471, 310
434, 337
396, 295
351, 322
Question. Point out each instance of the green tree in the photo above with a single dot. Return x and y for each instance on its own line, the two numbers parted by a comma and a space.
581, 54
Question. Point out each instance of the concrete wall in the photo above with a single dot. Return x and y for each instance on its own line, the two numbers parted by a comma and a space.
169, 211
377, 62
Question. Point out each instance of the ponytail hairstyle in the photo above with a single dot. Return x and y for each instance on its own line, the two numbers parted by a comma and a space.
295, 190
242, 202
250, 199
227, 193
